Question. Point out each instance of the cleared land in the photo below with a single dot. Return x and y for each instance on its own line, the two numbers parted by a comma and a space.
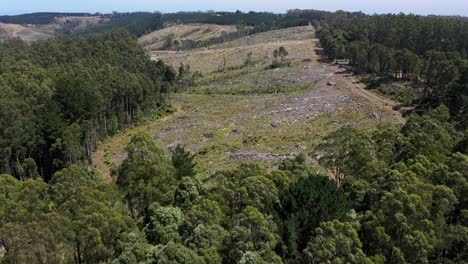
251, 113
31, 33
196, 32
300, 46
27, 34
70, 24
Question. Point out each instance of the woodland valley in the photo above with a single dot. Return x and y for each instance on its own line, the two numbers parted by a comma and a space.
233, 137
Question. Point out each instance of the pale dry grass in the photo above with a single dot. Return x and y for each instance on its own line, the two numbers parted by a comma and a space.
196, 32
26, 34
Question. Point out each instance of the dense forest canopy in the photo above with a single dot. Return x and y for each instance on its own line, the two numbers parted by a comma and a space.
59, 97
400, 199
395, 194
37, 18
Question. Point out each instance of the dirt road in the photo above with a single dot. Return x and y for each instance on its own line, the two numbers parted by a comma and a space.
350, 82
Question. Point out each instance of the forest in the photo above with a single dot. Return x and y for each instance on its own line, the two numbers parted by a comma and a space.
394, 194
60, 97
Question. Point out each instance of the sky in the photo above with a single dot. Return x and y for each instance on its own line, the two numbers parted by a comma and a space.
422, 7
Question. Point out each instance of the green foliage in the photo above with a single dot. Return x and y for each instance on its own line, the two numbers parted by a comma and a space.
281, 53
347, 153
335, 242
37, 18
173, 253
76, 218
389, 210
427, 136
164, 224
97, 220
137, 23
60, 96
393, 195
309, 201
205, 211
188, 193
252, 231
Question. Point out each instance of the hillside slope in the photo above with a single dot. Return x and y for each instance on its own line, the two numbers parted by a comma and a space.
194, 32
27, 34
62, 25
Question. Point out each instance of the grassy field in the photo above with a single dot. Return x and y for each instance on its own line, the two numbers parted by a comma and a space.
251, 113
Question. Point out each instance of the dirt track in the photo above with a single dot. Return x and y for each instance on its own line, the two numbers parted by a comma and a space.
114, 147
348, 80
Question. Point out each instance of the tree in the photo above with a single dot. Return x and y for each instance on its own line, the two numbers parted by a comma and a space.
408, 63
259, 192
182, 160
97, 220
173, 253
280, 53
188, 193
309, 201
347, 152
164, 224
146, 176
206, 212
29, 230
426, 136
396, 231
252, 231
248, 60
207, 241
335, 242
72, 146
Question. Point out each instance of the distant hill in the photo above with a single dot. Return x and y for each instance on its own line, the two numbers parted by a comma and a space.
60, 25
38, 18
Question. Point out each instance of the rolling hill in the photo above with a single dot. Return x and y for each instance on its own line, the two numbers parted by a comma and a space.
195, 32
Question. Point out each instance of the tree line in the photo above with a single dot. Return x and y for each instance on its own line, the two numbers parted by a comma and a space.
430, 50
41, 18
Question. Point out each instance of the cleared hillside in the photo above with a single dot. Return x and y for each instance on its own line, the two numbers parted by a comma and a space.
253, 113
60, 26
72, 24
195, 32
27, 34
298, 41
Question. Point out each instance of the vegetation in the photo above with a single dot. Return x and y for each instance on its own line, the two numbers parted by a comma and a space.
279, 58
407, 205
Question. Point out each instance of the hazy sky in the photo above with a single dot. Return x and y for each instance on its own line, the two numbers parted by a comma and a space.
439, 7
